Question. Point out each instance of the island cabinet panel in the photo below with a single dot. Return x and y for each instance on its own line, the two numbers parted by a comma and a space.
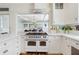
66, 45
10, 46
54, 44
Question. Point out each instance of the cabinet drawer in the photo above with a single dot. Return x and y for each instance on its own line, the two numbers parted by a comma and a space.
3, 51
8, 47
8, 51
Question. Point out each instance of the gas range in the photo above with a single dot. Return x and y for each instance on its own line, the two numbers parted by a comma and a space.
37, 41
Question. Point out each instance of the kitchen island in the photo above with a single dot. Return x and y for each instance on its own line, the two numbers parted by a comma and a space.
49, 43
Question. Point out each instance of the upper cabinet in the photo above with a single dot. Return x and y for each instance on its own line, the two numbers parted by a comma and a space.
65, 13
4, 23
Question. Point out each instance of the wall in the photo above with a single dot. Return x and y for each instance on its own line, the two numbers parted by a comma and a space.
43, 6
67, 15
19, 8
64, 16
14, 10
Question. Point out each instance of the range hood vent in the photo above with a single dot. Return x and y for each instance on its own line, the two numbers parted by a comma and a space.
4, 9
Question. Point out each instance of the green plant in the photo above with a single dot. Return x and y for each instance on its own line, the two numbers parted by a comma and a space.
66, 28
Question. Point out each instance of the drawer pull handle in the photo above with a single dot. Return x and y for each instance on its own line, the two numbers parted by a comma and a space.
5, 51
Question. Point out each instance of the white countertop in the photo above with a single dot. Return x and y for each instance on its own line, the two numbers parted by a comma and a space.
9, 36
76, 37
72, 36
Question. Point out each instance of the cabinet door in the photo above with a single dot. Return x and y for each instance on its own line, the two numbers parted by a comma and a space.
54, 44
66, 46
8, 47
20, 43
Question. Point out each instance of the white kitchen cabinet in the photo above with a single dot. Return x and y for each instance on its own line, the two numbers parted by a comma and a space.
10, 46
67, 15
20, 43
54, 44
66, 45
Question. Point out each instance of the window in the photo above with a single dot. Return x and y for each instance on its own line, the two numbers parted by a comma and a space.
4, 23
58, 5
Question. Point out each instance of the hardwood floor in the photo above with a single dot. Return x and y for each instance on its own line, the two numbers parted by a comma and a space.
34, 53
39, 53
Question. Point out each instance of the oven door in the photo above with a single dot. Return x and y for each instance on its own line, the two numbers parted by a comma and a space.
31, 46
42, 46
31, 43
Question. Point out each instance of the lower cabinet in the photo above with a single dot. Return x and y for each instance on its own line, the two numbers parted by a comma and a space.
22, 43
66, 45
59, 44
54, 44
10, 46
